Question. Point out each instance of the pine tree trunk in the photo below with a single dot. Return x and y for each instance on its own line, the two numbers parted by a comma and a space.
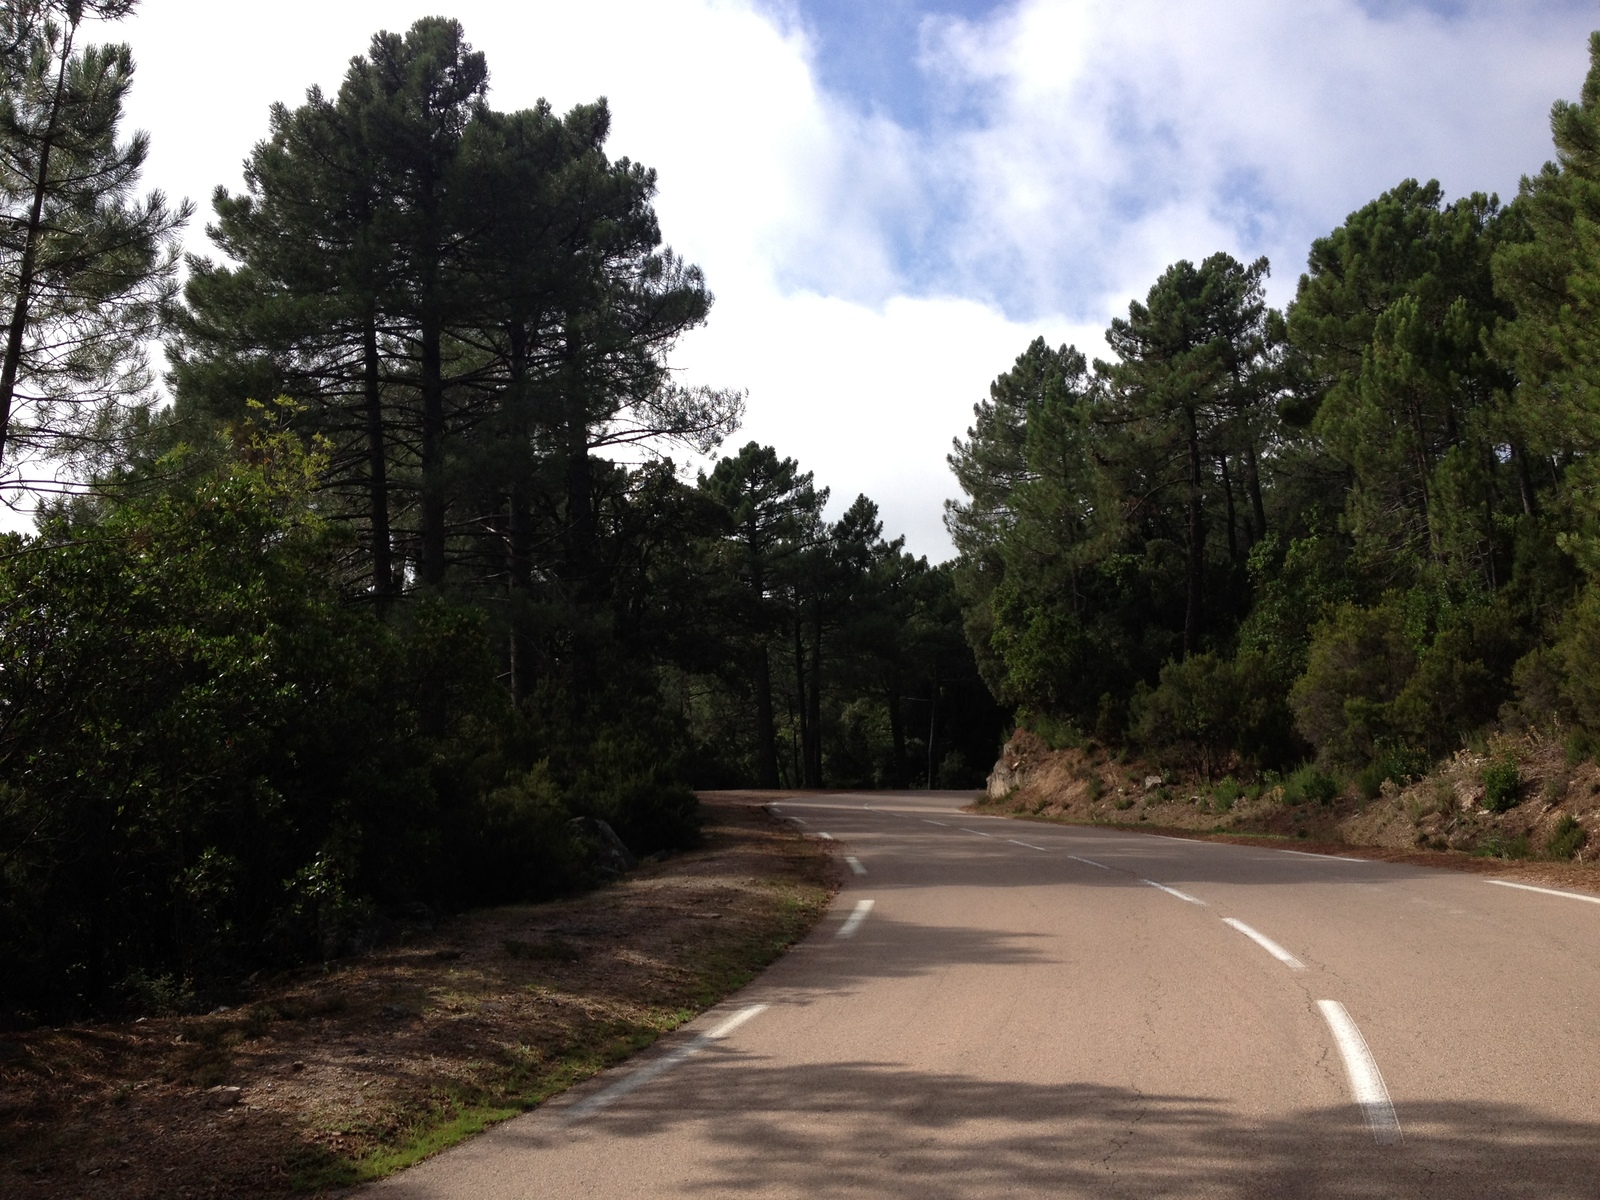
1252, 479
1197, 534
897, 732
802, 704
1227, 492
766, 739
383, 581
433, 436
12, 364
814, 755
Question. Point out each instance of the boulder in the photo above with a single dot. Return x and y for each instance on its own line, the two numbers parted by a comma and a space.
609, 854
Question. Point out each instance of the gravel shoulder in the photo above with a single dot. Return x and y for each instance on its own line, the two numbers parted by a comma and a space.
331, 1076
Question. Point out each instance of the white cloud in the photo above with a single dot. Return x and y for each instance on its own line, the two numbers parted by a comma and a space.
863, 270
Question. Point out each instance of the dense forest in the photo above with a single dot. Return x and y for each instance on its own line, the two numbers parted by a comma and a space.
404, 578
1356, 534
393, 581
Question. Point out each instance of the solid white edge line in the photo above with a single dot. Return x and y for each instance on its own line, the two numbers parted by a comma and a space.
1366, 1083
1325, 857
855, 864
853, 921
1089, 862
1267, 944
609, 1096
1172, 891
1528, 887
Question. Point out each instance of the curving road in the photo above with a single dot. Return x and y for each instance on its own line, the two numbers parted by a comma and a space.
1001, 1008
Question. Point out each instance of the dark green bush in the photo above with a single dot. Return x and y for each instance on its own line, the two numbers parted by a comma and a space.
1225, 795
1309, 785
1502, 785
1393, 761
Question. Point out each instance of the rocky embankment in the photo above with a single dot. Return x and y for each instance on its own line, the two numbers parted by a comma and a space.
1550, 806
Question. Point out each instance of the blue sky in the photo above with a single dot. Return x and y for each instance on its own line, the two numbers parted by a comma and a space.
891, 198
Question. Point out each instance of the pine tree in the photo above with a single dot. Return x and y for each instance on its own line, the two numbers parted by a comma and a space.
86, 268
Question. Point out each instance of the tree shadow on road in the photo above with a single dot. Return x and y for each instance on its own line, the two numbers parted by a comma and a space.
873, 1129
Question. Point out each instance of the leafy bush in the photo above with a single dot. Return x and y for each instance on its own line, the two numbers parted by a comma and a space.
1309, 785
1225, 795
1502, 783
1566, 839
1393, 760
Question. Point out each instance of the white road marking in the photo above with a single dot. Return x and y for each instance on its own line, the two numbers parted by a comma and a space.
801, 820
1366, 1084
1267, 944
609, 1096
975, 832
1089, 862
941, 824
855, 864
1528, 887
1342, 858
1172, 891
827, 837
1029, 845
853, 921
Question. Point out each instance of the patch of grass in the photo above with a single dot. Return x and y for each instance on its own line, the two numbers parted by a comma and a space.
1123, 803
1579, 746
1097, 788
1498, 845
1566, 839
1502, 785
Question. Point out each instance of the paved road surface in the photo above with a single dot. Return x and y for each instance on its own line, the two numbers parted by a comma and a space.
1020, 1012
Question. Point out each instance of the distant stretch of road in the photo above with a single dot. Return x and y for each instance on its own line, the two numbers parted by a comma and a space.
1003, 1008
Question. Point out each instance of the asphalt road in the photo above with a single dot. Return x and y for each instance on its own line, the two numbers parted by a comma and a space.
1021, 1011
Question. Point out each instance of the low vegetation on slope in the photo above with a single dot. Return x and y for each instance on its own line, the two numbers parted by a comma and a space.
329, 1075
1507, 798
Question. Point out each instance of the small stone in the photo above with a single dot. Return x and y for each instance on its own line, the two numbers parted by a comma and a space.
1152, 782
223, 1097
297, 1066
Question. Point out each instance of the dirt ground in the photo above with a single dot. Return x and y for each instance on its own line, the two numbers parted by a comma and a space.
345, 1073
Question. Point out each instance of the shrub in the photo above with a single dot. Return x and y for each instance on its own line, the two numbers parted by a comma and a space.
1502, 781
1225, 794
1566, 839
1497, 845
1308, 785
1393, 760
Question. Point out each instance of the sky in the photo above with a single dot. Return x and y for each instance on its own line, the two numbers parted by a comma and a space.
892, 198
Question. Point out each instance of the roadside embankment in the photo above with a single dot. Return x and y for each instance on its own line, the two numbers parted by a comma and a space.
1514, 806
336, 1075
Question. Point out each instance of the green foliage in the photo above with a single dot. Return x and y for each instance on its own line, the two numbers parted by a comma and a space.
1225, 795
1566, 839
1500, 845
1393, 762
210, 761
1308, 785
1502, 785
